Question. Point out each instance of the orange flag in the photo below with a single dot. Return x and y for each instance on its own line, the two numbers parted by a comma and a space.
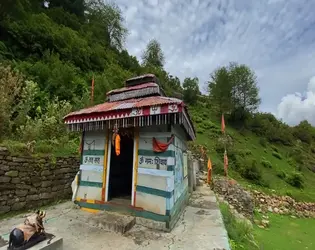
209, 171
226, 163
222, 124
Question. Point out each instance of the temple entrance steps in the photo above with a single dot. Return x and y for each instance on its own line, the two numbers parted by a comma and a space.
111, 221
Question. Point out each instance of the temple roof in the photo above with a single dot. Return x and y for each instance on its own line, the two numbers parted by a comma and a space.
137, 104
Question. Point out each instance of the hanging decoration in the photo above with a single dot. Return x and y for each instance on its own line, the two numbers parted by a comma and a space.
117, 144
160, 146
116, 139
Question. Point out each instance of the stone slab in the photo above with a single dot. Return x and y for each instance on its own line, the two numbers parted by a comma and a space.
110, 221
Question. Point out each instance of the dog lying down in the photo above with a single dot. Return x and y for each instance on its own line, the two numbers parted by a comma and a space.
30, 233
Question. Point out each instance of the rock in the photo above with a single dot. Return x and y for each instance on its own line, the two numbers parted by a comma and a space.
15, 180
18, 206
12, 173
21, 193
276, 210
270, 209
5, 179
265, 223
4, 209
33, 197
46, 184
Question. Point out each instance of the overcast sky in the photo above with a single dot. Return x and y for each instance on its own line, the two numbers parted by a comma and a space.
276, 38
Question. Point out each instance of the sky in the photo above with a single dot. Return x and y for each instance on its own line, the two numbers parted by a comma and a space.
276, 38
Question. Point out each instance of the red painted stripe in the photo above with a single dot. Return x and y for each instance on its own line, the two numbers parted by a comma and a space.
103, 194
164, 109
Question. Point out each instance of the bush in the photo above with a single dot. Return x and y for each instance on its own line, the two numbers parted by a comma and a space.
277, 155
240, 232
265, 163
218, 167
263, 141
275, 148
295, 179
250, 171
281, 174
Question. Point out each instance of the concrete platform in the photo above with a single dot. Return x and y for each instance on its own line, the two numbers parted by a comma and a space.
54, 244
200, 227
110, 221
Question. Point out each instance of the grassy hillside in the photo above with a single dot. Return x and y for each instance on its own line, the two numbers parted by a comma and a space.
253, 160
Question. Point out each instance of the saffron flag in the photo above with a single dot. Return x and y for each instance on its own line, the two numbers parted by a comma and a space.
209, 171
222, 124
226, 163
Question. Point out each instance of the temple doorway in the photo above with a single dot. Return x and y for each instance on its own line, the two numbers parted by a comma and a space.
121, 169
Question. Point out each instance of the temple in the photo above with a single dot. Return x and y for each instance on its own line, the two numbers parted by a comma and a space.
134, 152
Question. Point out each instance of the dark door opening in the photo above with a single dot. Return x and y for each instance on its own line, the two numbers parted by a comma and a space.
121, 169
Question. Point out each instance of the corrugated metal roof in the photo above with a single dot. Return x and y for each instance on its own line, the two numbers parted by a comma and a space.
124, 89
140, 77
127, 104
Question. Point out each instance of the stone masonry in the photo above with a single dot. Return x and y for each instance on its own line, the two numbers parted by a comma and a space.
31, 182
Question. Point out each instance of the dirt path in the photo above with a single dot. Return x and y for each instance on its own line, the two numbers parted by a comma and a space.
200, 227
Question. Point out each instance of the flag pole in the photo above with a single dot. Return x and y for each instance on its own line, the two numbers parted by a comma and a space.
225, 159
92, 91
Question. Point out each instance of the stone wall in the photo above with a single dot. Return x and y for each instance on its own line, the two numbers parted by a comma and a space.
240, 199
30, 182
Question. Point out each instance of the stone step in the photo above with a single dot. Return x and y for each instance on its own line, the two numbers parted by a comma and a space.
111, 221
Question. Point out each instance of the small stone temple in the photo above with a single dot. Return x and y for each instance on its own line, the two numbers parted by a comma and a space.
134, 153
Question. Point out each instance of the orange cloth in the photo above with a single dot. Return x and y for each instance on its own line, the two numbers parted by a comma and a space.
209, 171
222, 124
160, 146
117, 144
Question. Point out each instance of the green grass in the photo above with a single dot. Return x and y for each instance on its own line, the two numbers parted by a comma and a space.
286, 233
57, 148
253, 147
240, 233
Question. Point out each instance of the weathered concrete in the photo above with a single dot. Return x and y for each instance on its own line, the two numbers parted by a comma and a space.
200, 227
53, 244
109, 221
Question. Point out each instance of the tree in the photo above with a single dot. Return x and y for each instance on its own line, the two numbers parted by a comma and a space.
220, 89
191, 89
153, 55
76, 7
106, 23
245, 91
234, 89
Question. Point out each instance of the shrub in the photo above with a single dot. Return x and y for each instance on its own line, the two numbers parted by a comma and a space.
218, 167
295, 179
265, 163
263, 141
275, 148
281, 174
239, 231
277, 155
250, 171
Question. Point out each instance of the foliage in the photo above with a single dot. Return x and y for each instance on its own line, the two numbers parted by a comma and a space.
11, 89
240, 232
153, 55
234, 89
265, 163
295, 179
277, 155
191, 90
